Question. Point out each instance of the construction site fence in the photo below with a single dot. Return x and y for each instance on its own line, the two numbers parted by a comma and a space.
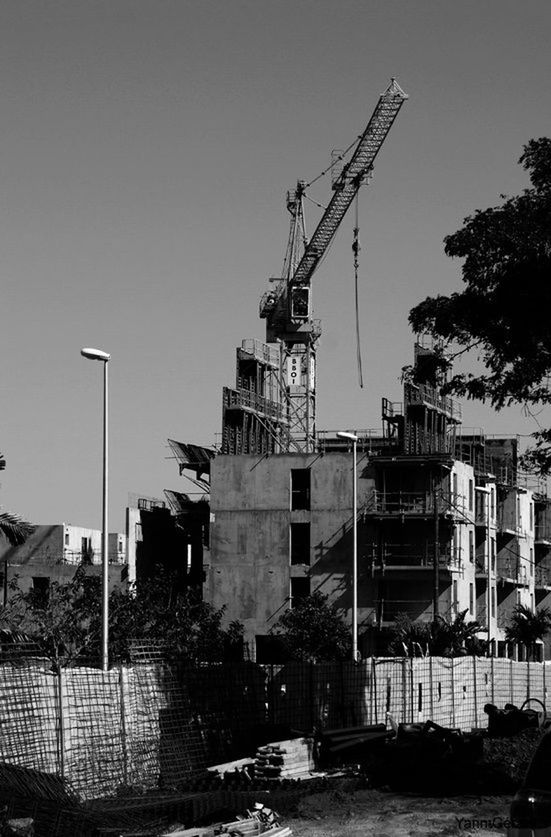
155, 725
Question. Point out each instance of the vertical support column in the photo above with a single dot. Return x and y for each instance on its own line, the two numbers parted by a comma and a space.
355, 550
105, 528
475, 694
436, 559
511, 681
492, 676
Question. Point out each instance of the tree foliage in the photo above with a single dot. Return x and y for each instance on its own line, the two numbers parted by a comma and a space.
528, 627
504, 307
313, 631
67, 623
440, 638
14, 529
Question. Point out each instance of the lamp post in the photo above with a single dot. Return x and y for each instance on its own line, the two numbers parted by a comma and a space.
351, 437
97, 354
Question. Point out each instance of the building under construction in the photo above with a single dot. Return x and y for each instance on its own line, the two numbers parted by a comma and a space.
443, 523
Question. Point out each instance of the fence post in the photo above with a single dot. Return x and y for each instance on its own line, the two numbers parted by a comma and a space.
124, 740
431, 689
374, 689
311, 695
492, 676
511, 681
370, 690
453, 692
528, 679
404, 718
475, 695
61, 722
411, 695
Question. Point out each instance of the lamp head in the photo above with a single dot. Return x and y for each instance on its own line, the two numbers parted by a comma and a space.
95, 354
343, 434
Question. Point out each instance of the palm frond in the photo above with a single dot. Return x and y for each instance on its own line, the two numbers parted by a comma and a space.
14, 528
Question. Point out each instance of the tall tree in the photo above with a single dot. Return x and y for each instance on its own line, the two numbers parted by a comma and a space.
503, 310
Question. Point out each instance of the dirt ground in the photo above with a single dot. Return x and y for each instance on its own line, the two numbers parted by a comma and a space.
366, 813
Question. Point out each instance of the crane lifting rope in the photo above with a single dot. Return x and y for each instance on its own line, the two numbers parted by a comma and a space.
287, 306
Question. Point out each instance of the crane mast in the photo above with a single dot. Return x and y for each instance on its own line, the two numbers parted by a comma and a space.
287, 306
273, 407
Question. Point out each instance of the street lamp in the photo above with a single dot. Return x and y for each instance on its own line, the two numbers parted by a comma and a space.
97, 354
351, 437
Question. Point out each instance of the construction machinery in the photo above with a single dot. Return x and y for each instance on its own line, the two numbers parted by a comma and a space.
273, 407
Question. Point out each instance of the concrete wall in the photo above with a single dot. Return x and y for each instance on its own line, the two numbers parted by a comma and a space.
250, 570
54, 552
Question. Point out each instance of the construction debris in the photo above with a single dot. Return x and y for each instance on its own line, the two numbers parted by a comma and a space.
21, 827
256, 822
239, 767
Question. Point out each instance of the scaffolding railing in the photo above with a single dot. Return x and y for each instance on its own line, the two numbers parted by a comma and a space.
415, 502
423, 394
243, 399
413, 555
264, 352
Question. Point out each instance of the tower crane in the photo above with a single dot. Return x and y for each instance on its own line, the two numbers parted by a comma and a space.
286, 307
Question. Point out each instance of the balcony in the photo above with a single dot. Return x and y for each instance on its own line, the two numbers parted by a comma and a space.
542, 533
410, 503
504, 617
90, 557
481, 614
510, 572
481, 518
389, 609
413, 556
481, 566
543, 578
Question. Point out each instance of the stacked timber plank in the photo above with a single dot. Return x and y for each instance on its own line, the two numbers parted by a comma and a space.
291, 759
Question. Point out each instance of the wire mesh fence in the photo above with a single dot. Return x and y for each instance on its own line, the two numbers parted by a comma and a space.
84, 734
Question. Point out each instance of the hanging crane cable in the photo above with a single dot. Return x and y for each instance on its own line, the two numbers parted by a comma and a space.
356, 249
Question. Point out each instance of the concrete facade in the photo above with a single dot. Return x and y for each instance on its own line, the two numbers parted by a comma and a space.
267, 550
53, 552
261, 558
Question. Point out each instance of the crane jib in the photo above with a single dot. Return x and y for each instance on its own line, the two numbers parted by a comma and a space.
350, 180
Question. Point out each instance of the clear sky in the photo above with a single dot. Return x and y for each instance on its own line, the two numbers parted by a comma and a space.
146, 149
